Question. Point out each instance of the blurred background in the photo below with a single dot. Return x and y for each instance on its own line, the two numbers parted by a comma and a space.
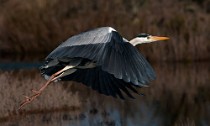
30, 29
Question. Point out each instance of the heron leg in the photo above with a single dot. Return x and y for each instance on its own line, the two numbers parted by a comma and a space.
38, 92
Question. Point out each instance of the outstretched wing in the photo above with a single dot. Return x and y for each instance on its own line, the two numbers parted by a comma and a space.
103, 82
108, 49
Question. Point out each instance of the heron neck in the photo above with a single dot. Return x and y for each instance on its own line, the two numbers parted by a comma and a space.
136, 41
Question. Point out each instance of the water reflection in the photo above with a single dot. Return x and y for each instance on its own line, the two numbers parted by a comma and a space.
19, 65
179, 96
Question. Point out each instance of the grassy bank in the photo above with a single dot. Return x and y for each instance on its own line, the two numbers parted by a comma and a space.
36, 26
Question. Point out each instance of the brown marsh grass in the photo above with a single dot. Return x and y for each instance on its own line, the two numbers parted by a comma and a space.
14, 85
38, 26
179, 96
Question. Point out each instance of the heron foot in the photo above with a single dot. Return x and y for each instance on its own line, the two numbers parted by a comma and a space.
29, 99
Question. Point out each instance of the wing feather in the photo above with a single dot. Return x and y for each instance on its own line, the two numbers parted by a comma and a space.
119, 93
111, 88
103, 84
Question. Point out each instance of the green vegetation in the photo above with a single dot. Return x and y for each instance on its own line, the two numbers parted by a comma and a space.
38, 26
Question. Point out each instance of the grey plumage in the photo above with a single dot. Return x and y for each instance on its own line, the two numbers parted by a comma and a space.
118, 64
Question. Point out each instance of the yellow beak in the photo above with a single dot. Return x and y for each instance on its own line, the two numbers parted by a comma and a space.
157, 38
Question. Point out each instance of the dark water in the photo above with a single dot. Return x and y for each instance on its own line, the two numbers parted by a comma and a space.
180, 96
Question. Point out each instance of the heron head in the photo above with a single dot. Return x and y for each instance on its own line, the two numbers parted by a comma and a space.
146, 38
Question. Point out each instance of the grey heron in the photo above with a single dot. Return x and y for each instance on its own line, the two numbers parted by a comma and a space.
101, 59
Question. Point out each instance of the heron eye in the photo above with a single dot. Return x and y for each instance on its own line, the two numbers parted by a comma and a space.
148, 37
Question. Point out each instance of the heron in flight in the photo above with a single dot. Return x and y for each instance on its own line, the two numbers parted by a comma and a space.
101, 59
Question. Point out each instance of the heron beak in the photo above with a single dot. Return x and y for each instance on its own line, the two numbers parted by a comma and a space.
158, 38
